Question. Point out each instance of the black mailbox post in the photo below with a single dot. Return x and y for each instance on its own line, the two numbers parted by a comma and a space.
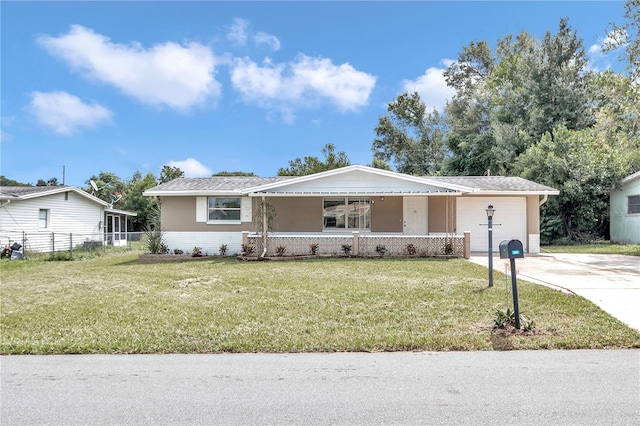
513, 250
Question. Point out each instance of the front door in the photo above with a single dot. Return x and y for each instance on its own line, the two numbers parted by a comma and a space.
415, 215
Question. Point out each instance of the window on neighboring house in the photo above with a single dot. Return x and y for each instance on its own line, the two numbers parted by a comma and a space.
634, 204
347, 213
43, 218
224, 209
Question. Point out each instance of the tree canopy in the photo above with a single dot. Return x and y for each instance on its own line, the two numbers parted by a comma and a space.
310, 165
533, 108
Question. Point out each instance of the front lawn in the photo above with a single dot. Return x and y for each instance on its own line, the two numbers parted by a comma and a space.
114, 304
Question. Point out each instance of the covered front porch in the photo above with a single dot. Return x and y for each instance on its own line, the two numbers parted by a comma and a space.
360, 244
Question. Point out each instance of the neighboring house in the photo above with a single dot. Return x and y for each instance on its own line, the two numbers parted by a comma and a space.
368, 206
625, 211
36, 216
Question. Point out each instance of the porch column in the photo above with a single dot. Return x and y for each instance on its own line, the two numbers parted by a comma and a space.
356, 243
467, 244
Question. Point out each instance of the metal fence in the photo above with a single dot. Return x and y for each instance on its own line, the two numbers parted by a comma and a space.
52, 243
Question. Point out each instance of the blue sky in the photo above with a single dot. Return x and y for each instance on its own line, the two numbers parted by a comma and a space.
237, 86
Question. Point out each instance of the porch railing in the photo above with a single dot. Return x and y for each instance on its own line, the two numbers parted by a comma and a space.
362, 244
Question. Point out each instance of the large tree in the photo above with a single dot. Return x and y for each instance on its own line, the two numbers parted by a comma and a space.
169, 173
310, 165
133, 200
505, 102
411, 137
627, 37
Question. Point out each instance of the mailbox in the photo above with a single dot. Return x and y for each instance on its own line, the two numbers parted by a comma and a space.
511, 249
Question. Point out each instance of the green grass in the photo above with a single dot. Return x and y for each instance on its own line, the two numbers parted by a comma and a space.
627, 249
113, 304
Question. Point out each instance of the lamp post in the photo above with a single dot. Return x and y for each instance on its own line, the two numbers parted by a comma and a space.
490, 210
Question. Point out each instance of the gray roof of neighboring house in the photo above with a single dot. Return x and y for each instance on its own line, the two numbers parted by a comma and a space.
21, 191
494, 183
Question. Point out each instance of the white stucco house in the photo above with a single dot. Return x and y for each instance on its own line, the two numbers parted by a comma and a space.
41, 216
625, 211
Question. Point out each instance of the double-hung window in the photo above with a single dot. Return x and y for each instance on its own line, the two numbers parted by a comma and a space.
348, 213
43, 218
633, 206
224, 209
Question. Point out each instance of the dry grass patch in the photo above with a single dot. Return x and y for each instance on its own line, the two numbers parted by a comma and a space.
114, 304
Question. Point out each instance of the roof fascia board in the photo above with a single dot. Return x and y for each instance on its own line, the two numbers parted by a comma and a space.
629, 178
480, 192
354, 194
116, 211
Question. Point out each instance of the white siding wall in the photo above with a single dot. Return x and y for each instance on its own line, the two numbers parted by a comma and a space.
76, 215
209, 241
357, 181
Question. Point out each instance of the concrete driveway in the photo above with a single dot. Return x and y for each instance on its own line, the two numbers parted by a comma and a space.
610, 281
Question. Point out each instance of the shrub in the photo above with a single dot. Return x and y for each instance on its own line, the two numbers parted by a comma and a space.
247, 249
381, 250
411, 249
448, 248
280, 250
314, 248
223, 249
346, 249
197, 252
177, 251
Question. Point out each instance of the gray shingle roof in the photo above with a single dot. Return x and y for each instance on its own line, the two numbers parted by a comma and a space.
20, 191
240, 183
493, 183
219, 183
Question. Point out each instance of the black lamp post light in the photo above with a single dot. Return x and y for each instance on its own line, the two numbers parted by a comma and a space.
490, 211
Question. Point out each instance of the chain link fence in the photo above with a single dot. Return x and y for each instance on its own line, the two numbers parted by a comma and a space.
58, 244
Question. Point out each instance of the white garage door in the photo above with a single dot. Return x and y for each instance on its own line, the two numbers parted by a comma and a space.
509, 220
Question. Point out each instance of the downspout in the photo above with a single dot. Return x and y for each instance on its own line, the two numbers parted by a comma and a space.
545, 197
264, 227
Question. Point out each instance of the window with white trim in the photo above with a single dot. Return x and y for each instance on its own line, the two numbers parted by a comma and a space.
224, 209
346, 213
43, 218
633, 204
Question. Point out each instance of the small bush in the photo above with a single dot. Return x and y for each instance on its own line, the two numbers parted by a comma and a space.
448, 248
280, 250
381, 250
346, 249
177, 251
411, 249
223, 250
197, 252
313, 248
248, 249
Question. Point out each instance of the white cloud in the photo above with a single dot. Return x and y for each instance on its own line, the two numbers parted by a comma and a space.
270, 40
178, 76
238, 31
65, 113
191, 168
306, 82
432, 87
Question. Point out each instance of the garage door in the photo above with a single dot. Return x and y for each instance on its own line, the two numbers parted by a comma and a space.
509, 219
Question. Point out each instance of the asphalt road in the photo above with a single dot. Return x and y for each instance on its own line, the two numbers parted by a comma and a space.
520, 387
